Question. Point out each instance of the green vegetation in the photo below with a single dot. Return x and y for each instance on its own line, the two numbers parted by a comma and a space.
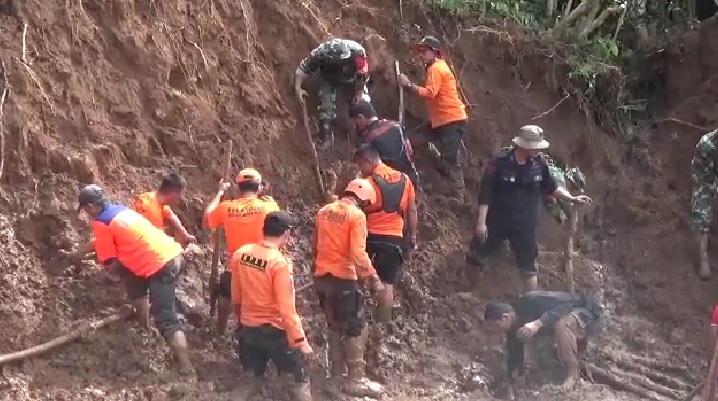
601, 41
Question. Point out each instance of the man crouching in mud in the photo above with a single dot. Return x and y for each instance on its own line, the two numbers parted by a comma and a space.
128, 244
571, 318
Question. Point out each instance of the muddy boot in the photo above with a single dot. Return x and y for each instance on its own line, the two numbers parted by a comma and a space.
456, 177
178, 343
357, 384
300, 392
567, 335
142, 311
383, 314
704, 269
326, 135
248, 388
337, 365
224, 308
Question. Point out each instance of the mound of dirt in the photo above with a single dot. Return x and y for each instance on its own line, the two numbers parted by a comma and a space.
118, 92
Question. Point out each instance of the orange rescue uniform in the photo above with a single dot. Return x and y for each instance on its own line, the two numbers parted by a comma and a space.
341, 242
123, 234
442, 95
242, 219
263, 288
147, 205
378, 221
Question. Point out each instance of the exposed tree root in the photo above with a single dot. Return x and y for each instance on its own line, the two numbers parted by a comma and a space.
125, 312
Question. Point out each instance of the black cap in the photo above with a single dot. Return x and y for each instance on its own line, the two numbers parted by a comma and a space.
362, 107
276, 223
430, 42
89, 195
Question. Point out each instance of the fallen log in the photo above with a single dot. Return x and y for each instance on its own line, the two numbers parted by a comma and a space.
606, 377
124, 313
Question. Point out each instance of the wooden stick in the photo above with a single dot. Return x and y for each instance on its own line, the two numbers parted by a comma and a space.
709, 382
214, 267
317, 170
124, 313
397, 69
24, 43
401, 9
569, 248
694, 392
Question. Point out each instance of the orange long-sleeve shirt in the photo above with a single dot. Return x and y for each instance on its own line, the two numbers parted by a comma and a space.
442, 95
263, 288
341, 242
147, 205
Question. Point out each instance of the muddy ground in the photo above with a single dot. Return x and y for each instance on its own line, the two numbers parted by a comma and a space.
117, 92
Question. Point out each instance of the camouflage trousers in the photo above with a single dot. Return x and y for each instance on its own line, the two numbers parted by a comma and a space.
705, 186
327, 108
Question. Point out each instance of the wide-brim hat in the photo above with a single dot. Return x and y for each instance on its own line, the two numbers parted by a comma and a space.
530, 137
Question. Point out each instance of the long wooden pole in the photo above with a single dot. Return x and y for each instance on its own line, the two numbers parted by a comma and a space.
570, 238
397, 70
214, 267
317, 169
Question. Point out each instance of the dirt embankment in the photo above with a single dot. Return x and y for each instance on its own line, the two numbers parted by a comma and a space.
117, 92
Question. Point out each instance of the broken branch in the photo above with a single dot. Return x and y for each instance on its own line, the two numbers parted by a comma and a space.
125, 312
606, 377
549, 111
5, 93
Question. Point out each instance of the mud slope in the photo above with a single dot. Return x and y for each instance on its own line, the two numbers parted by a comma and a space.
116, 92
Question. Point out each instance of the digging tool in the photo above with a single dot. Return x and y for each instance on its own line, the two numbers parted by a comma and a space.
317, 170
708, 385
125, 312
573, 228
401, 93
214, 268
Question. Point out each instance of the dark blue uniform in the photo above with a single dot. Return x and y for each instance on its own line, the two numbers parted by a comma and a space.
387, 137
512, 192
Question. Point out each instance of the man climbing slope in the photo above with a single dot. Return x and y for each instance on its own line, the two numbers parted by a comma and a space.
389, 239
511, 187
341, 262
242, 219
339, 64
704, 174
387, 137
264, 301
127, 243
156, 206
570, 318
447, 112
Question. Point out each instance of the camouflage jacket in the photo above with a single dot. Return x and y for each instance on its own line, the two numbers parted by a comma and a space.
559, 210
346, 72
706, 153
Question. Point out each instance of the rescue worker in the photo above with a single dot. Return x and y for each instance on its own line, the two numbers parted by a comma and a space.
127, 243
447, 112
387, 137
390, 239
264, 300
339, 64
570, 178
341, 261
511, 187
704, 174
242, 219
572, 319
156, 206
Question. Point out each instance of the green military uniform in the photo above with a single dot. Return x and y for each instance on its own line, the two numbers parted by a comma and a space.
559, 210
704, 174
339, 63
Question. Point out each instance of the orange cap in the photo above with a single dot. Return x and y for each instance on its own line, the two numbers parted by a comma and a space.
249, 175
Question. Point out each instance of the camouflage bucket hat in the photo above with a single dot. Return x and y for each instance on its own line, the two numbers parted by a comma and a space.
576, 177
531, 137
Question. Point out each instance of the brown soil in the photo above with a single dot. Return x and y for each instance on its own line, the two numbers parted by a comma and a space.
117, 92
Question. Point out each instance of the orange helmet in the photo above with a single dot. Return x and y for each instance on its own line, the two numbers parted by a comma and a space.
362, 189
